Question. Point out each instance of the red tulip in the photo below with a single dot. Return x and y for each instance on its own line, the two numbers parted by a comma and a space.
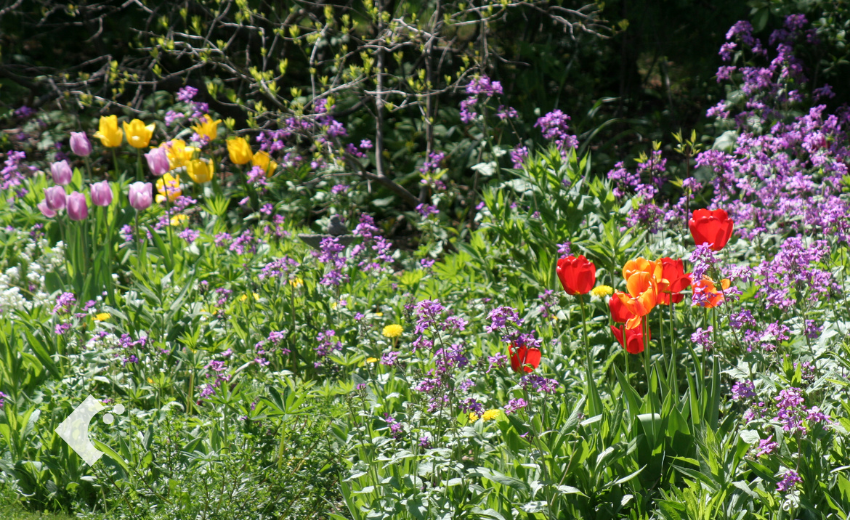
577, 274
711, 227
619, 312
523, 357
673, 271
634, 338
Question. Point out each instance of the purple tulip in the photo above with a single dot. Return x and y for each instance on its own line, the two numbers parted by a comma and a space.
61, 173
157, 161
78, 209
55, 197
141, 195
101, 193
80, 144
45, 209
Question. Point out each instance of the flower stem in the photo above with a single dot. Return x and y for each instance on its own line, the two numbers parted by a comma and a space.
139, 164
595, 402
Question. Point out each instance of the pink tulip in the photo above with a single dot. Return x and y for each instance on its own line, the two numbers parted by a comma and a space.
78, 209
55, 197
61, 173
157, 161
45, 209
101, 193
80, 144
141, 195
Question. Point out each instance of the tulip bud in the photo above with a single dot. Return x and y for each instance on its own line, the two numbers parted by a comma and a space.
157, 161
55, 197
61, 173
45, 209
141, 195
80, 144
78, 209
101, 193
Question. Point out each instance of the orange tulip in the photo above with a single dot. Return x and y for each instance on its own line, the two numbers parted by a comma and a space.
642, 296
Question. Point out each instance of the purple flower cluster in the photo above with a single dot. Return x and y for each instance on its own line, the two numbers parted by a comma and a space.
795, 269
130, 347
396, 429
554, 127
789, 480
792, 412
506, 322
478, 86
537, 383
515, 405
372, 240
271, 344
12, 174
327, 343
743, 391
331, 254
702, 337
426, 210
283, 267
64, 303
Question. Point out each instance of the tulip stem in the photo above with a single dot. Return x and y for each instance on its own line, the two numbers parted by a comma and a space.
115, 161
673, 344
595, 403
88, 169
139, 164
139, 243
646, 368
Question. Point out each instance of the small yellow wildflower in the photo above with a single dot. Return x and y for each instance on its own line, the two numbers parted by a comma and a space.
245, 297
473, 417
379, 314
296, 282
392, 331
103, 316
489, 415
372, 360
602, 290
150, 381
176, 220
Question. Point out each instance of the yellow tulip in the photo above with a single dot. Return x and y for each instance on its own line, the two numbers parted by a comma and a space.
170, 183
239, 150
108, 132
178, 153
200, 171
264, 161
138, 135
208, 128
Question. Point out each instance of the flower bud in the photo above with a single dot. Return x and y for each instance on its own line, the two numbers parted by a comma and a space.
141, 195
157, 161
78, 208
80, 144
45, 209
61, 173
55, 197
101, 193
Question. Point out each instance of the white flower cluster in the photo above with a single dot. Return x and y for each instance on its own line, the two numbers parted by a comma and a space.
11, 281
